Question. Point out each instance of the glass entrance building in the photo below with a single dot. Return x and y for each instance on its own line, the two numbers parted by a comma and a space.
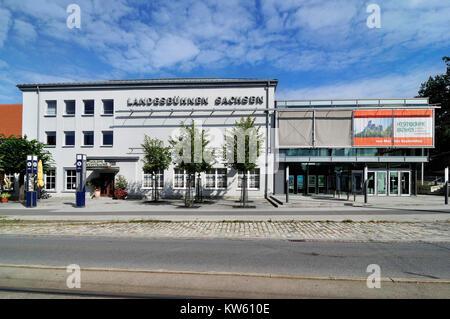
326, 147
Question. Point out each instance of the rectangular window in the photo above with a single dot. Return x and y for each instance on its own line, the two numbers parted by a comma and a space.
108, 107
50, 180
71, 180
222, 181
70, 108
108, 138
51, 108
69, 138
179, 178
148, 182
88, 138
210, 178
89, 107
51, 138
253, 178
216, 178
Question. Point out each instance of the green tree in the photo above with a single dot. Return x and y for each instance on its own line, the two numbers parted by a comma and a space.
13, 156
438, 90
157, 158
242, 148
190, 153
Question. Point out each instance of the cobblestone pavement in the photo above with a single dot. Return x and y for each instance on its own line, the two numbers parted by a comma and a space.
292, 230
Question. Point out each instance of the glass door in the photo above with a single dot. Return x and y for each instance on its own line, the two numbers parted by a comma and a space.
291, 183
405, 183
381, 183
393, 183
357, 179
312, 182
321, 184
300, 184
371, 183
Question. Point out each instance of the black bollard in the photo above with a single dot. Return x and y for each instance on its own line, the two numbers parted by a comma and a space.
446, 193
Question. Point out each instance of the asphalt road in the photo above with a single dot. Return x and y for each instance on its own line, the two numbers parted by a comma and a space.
397, 260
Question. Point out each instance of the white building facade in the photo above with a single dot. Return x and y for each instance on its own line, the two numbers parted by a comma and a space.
108, 121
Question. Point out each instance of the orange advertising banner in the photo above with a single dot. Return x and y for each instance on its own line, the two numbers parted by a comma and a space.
410, 127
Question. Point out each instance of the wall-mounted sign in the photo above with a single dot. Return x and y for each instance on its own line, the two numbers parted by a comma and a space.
393, 128
372, 128
195, 101
99, 164
413, 127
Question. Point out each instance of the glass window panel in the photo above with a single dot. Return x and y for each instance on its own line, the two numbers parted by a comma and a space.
70, 107
210, 178
71, 180
108, 138
50, 180
108, 107
381, 183
88, 138
69, 138
179, 178
222, 178
51, 138
51, 108
393, 183
89, 107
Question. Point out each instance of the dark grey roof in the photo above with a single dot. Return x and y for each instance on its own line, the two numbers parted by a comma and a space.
153, 83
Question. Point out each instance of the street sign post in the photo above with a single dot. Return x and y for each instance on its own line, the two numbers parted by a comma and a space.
81, 180
30, 181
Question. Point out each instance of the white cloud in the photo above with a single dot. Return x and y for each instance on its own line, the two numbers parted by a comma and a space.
389, 86
3, 64
5, 16
24, 31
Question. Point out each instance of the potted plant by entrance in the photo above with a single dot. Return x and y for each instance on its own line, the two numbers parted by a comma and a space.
95, 184
120, 189
4, 197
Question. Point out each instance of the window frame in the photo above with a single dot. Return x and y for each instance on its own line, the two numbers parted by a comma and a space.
47, 135
103, 138
66, 176
158, 184
84, 139
65, 139
47, 114
93, 108
216, 178
74, 108
103, 110
248, 180
54, 180
184, 179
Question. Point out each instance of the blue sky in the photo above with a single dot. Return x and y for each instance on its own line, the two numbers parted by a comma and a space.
317, 49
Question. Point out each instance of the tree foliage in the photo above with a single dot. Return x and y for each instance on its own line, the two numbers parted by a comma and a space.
243, 157
438, 90
190, 149
157, 157
14, 151
242, 148
190, 152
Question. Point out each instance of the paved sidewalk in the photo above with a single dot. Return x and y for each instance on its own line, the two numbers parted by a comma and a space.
292, 230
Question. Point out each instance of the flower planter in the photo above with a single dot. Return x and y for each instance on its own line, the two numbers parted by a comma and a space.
97, 193
4, 200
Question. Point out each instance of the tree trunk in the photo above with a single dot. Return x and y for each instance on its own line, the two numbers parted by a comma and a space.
187, 200
244, 188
